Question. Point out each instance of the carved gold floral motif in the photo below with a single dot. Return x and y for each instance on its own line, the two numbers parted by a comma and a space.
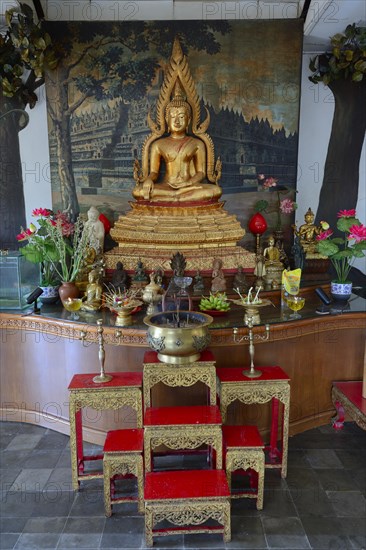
244, 459
122, 464
193, 512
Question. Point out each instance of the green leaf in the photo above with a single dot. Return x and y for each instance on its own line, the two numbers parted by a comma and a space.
327, 248
357, 76
343, 224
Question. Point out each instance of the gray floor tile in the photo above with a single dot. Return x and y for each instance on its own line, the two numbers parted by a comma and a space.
336, 480
45, 525
24, 442
79, 540
37, 541
324, 533
8, 540
247, 533
323, 458
313, 502
285, 532
348, 503
92, 525
31, 480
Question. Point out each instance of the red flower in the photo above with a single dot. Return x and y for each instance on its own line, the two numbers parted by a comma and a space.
324, 235
358, 233
45, 212
22, 236
346, 214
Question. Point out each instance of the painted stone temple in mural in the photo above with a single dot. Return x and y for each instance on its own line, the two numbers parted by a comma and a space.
177, 204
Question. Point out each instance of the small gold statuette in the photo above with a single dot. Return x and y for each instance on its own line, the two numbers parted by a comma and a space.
307, 234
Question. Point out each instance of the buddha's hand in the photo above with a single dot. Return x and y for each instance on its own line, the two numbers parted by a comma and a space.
147, 187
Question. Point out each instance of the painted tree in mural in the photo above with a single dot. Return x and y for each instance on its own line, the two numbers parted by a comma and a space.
97, 61
25, 49
343, 70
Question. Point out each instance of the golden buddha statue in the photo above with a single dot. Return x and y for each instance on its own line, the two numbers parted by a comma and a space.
177, 194
307, 233
93, 293
184, 157
273, 265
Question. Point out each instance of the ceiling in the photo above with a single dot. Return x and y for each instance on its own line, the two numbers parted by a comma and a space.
323, 18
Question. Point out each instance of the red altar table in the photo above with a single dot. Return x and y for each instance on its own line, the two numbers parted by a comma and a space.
182, 428
347, 398
125, 389
187, 499
273, 385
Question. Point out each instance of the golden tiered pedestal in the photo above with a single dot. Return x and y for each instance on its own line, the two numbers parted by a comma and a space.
202, 231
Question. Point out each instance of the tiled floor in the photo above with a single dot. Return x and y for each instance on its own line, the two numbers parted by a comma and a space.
321, 504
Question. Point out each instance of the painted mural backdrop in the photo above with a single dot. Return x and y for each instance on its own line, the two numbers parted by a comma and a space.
247, 74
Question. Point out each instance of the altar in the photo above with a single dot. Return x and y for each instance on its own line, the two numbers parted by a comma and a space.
41, 353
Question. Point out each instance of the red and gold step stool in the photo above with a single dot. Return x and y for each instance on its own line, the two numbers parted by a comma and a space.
186, 375
244, 450
124, 390
187, 499
273, 385
182, 428
122, 456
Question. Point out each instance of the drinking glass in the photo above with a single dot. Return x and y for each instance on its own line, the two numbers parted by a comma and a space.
295, 303
73, 305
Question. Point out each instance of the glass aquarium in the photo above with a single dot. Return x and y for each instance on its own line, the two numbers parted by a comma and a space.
18, 278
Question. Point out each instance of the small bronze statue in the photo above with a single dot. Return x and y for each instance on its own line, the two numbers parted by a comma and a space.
218, 278
140, 275
239, 282
198, 284
119, 278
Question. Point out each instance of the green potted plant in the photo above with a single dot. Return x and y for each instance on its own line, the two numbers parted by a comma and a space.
59, 246
342, 251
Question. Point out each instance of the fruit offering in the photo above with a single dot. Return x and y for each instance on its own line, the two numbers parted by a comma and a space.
215, 302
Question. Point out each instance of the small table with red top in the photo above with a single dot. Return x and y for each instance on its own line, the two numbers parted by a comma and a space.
273, 385
173, 375
187, 499
182, 428
125, 389
347, 398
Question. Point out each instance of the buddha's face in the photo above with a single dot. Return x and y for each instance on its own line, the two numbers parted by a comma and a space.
309, 218
177, 119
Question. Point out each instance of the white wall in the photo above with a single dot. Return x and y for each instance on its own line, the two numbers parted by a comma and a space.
316, 114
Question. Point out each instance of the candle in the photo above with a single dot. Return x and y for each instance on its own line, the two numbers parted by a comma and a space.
256, 296
249, 295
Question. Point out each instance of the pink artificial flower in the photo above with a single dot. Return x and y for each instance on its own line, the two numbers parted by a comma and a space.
66, 226
45, 212
358, 233
22, 236
287, 206
346, 214
324, 235
29, 232
270, 182
261, 176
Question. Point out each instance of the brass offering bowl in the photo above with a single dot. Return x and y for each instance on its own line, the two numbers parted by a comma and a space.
178, 336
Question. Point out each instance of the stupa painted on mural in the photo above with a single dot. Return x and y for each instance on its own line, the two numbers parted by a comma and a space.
177, 206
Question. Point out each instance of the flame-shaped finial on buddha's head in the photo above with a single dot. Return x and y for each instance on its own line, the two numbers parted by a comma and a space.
178, 100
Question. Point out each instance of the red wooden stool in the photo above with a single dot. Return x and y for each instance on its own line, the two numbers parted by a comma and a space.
122, 457
187, 499
180, 428
244, 450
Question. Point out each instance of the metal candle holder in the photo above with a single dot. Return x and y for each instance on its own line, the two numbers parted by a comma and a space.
252, 373
102, 377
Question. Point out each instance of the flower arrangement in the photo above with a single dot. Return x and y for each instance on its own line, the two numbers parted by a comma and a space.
58, 245
281, 205
342, 251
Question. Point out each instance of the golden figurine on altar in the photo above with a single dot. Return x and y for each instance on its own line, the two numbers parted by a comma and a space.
307, 233
177, 193
273, 265
186, 156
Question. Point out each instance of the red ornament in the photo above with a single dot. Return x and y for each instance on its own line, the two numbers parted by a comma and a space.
105, 221
257, 224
